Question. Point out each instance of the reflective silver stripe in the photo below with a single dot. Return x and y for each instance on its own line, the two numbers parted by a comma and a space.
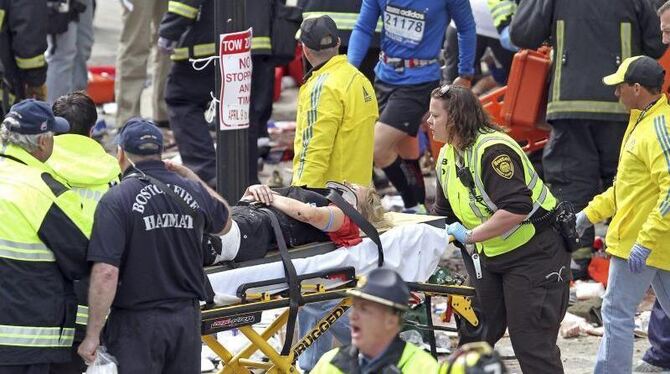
82, 315
533, 180
25, 251
88, 194
27, 336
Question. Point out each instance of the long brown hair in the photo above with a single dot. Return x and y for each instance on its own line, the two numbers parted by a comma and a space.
467, 117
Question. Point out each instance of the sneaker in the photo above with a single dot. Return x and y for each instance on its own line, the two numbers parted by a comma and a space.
645, 367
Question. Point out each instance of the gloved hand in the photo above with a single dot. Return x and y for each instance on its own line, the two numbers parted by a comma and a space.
637, 261
459, 232
166, 46
582, 223
36, 92
506, 41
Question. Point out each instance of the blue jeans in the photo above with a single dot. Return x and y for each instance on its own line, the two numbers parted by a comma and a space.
67, 56
308, 316
625, 290
659, 337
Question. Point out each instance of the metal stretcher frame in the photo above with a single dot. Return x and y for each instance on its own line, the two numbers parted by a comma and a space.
247, 313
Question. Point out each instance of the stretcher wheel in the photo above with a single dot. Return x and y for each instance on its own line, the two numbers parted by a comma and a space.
468, 333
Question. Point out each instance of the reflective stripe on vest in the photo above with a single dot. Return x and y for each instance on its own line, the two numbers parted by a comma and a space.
25, 251
28, 336
500, 10
344, 21
182, 9
261, 42
87, 194
82, 315
199, 50
2, 17
30, 63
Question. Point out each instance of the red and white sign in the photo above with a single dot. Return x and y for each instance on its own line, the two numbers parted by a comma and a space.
235, 57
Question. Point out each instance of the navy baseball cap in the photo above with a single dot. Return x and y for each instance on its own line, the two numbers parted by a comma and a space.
32, 117
140, 137
383, 286
318, 33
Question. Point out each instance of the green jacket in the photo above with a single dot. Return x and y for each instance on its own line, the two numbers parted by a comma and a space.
405, 357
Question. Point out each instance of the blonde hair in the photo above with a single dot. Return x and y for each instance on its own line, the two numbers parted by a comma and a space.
371, 209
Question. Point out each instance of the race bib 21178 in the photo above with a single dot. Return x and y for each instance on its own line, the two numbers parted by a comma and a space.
403, 25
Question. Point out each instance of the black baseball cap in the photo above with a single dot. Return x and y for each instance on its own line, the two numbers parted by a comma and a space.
637, 69
140, 137
383, 286
32, 117
318, 33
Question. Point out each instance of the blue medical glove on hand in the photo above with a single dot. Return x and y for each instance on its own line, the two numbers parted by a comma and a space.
582, 223
166, 46
459, 232
637, 261
506, 41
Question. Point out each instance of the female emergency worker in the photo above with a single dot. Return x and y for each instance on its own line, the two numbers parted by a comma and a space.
504, 215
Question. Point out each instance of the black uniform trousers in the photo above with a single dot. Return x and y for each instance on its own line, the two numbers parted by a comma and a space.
527, 291
156, 341
187, 95
260, 107
580, 161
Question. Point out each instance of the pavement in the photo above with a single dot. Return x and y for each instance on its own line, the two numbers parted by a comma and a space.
578, 354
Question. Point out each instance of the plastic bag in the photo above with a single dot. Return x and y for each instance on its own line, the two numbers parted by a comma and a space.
104, 363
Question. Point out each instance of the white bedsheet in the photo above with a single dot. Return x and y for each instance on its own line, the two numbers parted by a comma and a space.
412, 250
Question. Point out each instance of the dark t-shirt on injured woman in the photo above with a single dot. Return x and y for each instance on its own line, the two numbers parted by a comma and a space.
257, 236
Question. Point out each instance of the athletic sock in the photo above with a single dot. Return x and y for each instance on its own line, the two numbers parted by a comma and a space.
414, 178
398, 178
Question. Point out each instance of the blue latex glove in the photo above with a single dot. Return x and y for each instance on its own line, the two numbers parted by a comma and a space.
459, 232
637, 261
582, 223
166, 46
506, 42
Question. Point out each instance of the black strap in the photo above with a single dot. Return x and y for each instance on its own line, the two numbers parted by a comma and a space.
363, 224
199, 222
291, 278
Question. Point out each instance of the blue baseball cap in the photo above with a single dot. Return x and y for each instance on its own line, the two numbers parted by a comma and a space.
383, 286
32, 117
140, 137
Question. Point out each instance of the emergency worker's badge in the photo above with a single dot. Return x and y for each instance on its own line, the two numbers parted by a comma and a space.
503, 166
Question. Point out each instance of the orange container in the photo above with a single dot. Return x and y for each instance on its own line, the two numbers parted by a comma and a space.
525, 99
665, 62
101, 84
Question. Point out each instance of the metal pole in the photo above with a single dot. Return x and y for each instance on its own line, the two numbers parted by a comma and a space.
232, 151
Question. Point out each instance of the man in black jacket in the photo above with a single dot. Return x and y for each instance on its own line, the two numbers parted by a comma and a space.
23, 40
590, 39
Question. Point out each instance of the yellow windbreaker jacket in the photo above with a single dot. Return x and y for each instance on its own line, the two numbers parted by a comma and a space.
639, 200
334, 137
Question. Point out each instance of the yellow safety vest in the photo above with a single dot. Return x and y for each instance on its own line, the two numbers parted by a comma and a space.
475, 210
413, 360
26, 197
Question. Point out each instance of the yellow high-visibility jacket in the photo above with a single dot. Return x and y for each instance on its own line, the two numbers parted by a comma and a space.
334, 138
639, 200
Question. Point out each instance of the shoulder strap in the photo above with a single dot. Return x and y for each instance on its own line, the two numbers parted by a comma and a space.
291, 278
362, 223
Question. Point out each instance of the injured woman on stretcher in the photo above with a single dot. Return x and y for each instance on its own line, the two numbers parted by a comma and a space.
305, 216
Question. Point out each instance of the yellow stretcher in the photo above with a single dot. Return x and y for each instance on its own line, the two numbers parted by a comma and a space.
256, 297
